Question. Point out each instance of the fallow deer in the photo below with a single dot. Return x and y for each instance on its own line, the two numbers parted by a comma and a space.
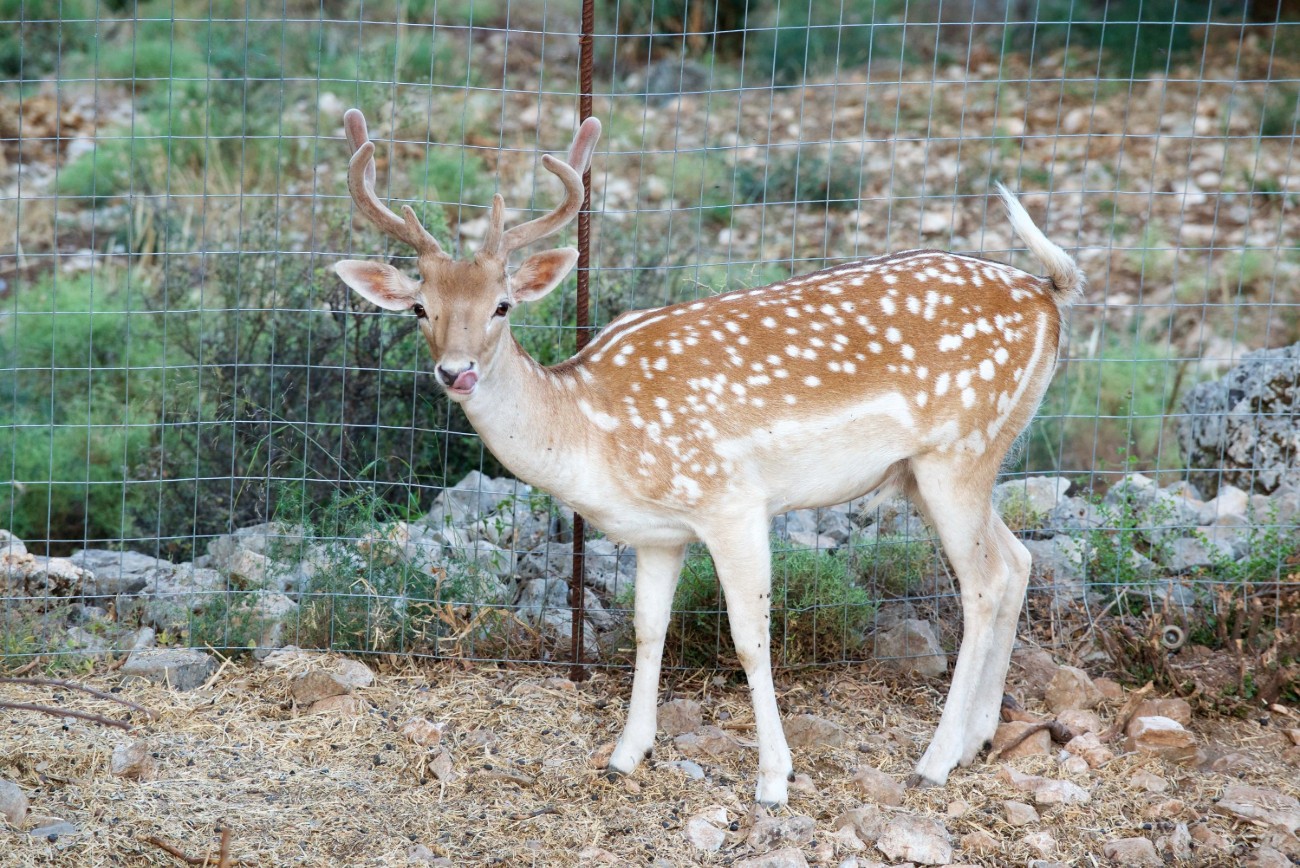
911, 372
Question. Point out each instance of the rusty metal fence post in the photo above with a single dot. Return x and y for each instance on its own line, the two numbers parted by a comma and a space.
576, 592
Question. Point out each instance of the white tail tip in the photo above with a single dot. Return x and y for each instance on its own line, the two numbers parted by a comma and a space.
1062, 270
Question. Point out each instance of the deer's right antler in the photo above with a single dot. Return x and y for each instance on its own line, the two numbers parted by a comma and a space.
500, 242
361, 184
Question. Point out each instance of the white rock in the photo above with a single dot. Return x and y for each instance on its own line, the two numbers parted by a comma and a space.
1258, 805
181, 668
132, 760
1045, 791
13, 803
1132, 851
912, 647
789, 857
707, 830
915, 839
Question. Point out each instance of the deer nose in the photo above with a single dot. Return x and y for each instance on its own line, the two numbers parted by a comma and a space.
460, 378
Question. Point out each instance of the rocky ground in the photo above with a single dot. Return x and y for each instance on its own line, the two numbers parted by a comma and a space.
318, 760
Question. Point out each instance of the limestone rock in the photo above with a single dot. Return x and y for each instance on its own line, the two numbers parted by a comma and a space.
1145, 780
1089, 748
1081, 721
1034, 668
915, 839
1137, 852
708, 742
1263, 806
1162, 737
51, 828
1046, 791
1035, 495
1019, 814
114, 573
181, 668
707, 830
878, 787
1010, 741
1177, 844
422, 731
13, 803
132, 760
789, 857
1177, 710
1071, 688
1265, 856
680, 716
1189, 553
807, 730
1042, 842
912, 646
771, 833
475, 496
866, 822
1241, 428
344, 705
1060, 564
980, 842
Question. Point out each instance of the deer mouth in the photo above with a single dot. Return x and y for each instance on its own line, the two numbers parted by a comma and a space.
464, 384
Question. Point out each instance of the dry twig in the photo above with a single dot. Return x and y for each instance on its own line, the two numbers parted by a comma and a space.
72, 685
223, 857
67, 712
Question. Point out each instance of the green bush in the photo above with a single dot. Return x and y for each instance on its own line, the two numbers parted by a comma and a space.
806, 176
364, 592
78, 378
1134, 36
787, 42
819, 614
34, 35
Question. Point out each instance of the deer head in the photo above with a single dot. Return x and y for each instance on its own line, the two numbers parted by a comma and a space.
463, 306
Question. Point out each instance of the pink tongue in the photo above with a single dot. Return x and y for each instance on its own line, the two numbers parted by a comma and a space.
465, 382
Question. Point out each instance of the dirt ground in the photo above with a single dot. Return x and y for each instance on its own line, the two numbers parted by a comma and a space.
346, 788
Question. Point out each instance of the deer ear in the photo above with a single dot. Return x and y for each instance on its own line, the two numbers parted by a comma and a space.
541, 273
379, 283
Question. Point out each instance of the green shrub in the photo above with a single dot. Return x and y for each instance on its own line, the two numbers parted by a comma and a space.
819, 614
806, 176
75, 360
450, 176
1134, 36
34, 35
364, 592
1113, 411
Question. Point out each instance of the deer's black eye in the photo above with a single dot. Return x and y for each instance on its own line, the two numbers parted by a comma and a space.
418, 310
503, 308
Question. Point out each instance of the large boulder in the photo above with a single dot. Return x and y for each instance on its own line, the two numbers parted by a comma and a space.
1241, 429
114, 572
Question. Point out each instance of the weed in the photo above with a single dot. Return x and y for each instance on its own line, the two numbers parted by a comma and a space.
1133, 36
368, 588
894, 564
75, 370
1118, 402
1279, 111
808, 175
819, 613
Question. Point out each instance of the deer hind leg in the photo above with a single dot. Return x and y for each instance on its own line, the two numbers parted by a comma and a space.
742, 556
657, 570
992, 569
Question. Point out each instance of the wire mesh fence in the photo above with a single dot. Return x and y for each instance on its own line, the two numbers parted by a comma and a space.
209, 438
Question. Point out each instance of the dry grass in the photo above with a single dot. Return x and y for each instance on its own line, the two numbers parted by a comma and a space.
330, 789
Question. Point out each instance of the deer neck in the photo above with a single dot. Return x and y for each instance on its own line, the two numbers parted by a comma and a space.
523, 413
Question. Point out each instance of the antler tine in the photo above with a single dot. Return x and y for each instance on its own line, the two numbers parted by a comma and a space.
570, 174
361, 184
